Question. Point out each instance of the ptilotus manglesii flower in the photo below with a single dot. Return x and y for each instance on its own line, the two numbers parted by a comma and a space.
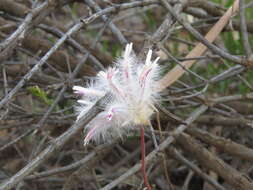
132, 84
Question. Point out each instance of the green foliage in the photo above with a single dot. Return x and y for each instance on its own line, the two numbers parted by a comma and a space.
41, 94
114, 48
74, 8
51, 39
150, 20
233, 42
227, 4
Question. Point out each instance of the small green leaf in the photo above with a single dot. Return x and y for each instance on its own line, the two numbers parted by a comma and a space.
40, 93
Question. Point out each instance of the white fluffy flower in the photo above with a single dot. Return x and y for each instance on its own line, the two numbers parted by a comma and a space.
133, 88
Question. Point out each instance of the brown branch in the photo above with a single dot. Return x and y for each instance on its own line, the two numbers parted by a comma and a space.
13, 8
208, 160
55, 145
176, 155
243, 28
210, 7
224, 121
9, 44
163, 30
178, 71
70, 32
37, 45
56, 29
223, 144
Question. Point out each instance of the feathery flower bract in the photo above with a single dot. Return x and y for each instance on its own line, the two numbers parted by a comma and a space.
133, 85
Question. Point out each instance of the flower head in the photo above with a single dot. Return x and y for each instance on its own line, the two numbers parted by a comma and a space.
133, 87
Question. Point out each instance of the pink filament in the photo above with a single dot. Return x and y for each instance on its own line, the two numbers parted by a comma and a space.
144, 76
110, 74
90, 134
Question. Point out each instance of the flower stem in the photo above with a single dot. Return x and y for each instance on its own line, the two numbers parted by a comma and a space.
143, 167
